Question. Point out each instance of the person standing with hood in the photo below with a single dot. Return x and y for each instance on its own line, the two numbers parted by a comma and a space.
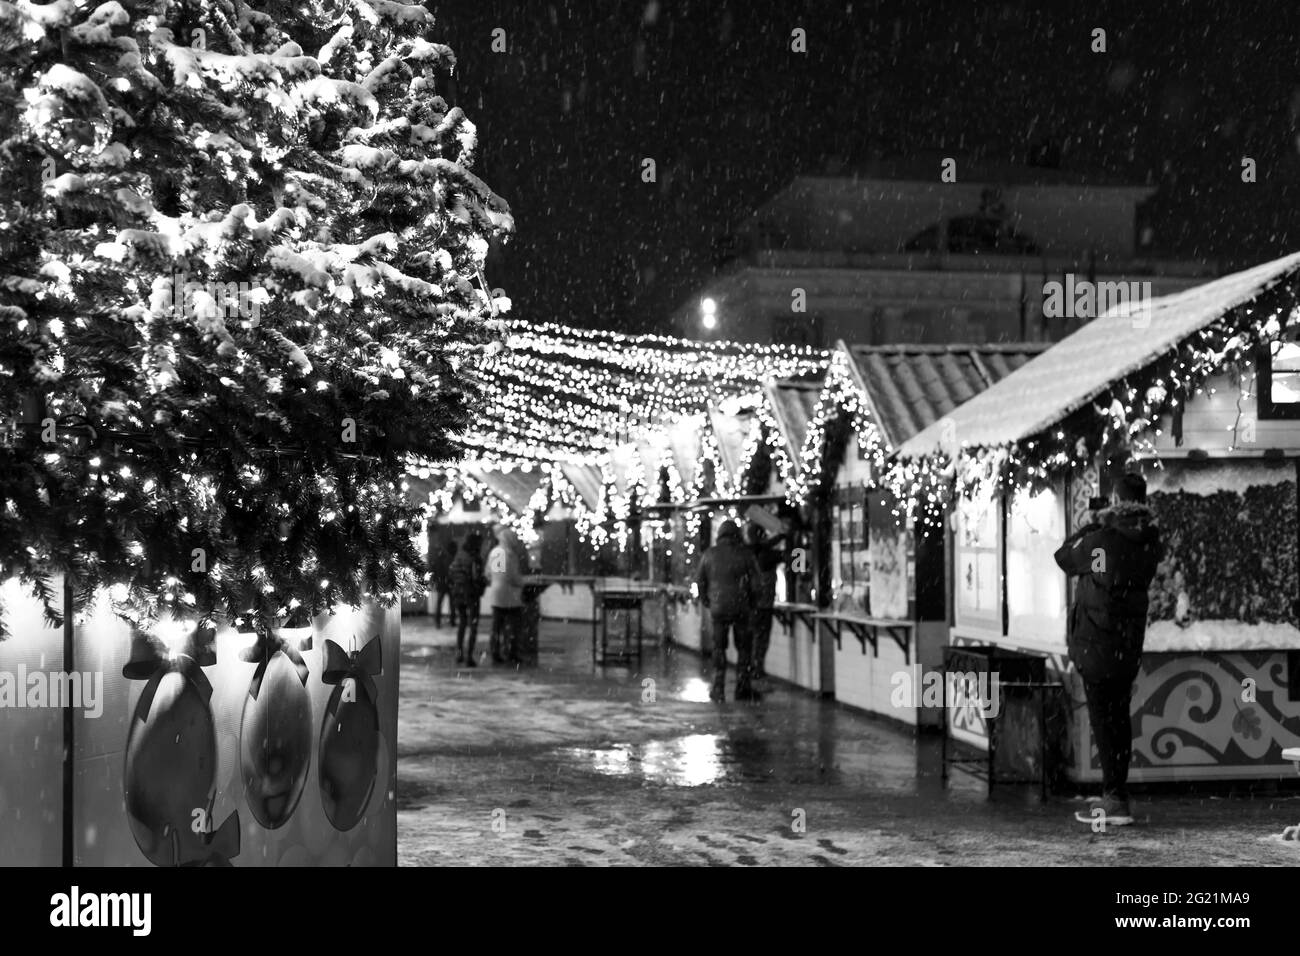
768, 554
466, 584
440, 558
505, 594
728, 582
1114, 557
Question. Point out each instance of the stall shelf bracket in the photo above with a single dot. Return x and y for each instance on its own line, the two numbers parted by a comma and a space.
867, 630
787, 614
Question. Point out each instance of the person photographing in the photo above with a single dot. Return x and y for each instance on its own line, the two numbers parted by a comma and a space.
769, 553
1114, 558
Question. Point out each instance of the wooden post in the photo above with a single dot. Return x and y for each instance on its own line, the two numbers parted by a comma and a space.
822, 568
69, 732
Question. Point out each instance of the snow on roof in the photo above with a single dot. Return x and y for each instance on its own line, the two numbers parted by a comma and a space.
1081, 366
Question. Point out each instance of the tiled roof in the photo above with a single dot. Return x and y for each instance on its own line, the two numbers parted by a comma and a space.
1083, 365
909, 387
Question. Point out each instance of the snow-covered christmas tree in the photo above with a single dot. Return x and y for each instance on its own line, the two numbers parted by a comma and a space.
241, 279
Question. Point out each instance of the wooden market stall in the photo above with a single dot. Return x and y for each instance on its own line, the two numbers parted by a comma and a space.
883, 575
723, 450
1201, 392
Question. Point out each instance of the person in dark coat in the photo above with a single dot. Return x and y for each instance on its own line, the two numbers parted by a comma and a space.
440, 558
465, 585
768, 554
728, 587
1114, 558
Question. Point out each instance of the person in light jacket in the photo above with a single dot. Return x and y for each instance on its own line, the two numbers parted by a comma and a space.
505, 595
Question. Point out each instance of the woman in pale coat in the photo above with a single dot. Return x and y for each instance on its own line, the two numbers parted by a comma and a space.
505, 594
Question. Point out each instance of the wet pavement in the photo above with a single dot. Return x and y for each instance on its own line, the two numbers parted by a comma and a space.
570, 764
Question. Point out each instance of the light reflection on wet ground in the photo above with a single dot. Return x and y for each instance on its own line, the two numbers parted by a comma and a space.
590, 765
690, 761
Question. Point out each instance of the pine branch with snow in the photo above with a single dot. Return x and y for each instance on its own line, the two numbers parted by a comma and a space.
240, 253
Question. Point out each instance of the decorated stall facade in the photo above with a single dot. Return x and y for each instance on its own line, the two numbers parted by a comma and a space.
885, 575
714, 442
1197, 391
627, 440
770, 463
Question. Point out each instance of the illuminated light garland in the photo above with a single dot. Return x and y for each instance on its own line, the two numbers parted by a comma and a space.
840, 398
753, 440
783, 464
560, 393
1121, 420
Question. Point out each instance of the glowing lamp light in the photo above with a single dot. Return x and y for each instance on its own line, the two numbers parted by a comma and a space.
173, 633
709, 313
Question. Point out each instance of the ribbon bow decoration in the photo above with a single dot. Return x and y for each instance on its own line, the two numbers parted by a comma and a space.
266, 646
360, 665
151, 659
213, 849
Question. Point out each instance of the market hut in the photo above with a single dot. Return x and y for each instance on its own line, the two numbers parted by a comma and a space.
555, 508
882, 576
1198, 390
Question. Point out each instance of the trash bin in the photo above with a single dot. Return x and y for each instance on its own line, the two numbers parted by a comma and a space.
996, 705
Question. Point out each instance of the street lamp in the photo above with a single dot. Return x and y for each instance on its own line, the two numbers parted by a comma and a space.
709, 313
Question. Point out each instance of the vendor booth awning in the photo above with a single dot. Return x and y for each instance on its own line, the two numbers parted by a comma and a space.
1123, 340
684, 441
516, 487
792, 403
586, 479
731, 432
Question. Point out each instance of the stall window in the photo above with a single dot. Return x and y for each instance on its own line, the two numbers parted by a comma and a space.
852, 558
1035, 595
978, 558
1279, 377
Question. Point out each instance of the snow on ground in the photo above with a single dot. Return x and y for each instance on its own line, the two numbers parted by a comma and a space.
574, 768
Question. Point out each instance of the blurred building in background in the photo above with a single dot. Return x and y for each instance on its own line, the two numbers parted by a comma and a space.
891, 254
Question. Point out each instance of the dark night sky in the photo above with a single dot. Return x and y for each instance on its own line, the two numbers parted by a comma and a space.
713, 93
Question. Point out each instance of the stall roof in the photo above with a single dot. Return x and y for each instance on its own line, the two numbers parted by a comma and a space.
1084, 364
793, 402
731, 431
587, 480
515, 488
909, 387
684, 445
